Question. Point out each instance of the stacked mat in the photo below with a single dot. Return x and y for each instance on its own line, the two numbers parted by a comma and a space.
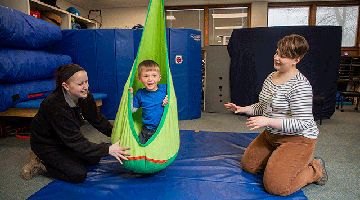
26, 69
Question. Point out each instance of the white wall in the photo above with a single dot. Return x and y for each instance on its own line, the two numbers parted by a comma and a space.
19, 5
259, 13
122, 18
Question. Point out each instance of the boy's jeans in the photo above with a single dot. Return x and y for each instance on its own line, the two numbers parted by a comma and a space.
145, 134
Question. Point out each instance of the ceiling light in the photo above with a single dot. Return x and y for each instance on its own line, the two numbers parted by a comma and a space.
232, 15
228, 27
170, 17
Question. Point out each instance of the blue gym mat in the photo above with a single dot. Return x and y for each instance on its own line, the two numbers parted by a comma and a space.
207, 167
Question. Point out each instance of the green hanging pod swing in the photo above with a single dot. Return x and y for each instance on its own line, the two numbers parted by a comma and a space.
162, 148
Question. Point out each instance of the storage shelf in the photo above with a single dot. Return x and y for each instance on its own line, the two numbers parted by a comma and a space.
66, 16
26, 5
45, 7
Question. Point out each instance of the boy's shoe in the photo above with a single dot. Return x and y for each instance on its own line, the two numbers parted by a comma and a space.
33, 167
324, 178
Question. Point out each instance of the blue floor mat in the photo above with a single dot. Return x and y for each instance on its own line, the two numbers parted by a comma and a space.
207, 167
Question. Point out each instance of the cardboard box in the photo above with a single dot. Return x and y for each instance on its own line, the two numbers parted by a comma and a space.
51, 18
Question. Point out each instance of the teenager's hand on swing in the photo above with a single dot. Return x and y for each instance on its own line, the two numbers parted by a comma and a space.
131, 90
165, 101
257, 122
119, 152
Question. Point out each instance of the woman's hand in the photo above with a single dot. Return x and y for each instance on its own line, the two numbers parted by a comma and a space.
165, 101
233, 108
119, 152
257, 122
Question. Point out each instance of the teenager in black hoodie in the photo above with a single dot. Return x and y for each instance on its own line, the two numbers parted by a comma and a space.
57, 144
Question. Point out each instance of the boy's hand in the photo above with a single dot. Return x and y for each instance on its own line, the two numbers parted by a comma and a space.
165, 101
131, 90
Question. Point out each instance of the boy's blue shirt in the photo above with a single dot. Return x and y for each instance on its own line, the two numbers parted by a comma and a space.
150, 102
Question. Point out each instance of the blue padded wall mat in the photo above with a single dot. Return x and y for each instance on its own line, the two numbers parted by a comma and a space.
106, 62
19, 65
22, 31
207, 167
80, 45
70, 44
87, 56
188, 73
125, 55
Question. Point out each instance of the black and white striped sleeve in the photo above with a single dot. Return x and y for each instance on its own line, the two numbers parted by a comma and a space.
300, 99
257, 109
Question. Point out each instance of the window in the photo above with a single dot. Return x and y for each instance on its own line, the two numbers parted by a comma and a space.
222, 21
346, 17
291, 16
191, 19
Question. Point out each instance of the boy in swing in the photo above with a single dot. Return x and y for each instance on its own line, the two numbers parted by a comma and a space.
152, 99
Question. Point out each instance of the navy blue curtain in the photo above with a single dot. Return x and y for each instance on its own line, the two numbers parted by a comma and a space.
252, 50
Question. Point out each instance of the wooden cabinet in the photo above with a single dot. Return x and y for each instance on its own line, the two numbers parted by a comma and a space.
26, 5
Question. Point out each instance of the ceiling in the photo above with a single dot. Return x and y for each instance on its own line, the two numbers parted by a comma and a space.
107, 4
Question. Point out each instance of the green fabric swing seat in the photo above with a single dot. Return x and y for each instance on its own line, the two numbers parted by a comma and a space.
162, 148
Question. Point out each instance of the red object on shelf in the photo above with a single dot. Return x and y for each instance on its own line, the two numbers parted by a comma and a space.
35, 14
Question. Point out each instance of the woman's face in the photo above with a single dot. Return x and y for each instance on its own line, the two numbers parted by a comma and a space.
284, 64
77, 86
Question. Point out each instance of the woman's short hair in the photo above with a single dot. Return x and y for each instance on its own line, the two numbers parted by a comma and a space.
293, 46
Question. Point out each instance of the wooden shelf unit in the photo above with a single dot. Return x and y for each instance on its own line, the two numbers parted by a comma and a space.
26, 5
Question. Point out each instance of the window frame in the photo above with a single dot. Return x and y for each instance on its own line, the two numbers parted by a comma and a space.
312, 15
290, 6
206, 14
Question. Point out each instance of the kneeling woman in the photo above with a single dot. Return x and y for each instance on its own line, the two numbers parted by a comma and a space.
283, 151
57, 143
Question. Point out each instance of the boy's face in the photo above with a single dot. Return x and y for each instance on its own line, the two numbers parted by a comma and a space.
149, 79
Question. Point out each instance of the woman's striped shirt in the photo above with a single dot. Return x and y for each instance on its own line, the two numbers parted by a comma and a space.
291, 102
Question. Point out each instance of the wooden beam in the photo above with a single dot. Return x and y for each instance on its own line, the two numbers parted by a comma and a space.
317, 3
249, 16
3, 133
312, 15
209, 6
206, 27
24, 112
31, 112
